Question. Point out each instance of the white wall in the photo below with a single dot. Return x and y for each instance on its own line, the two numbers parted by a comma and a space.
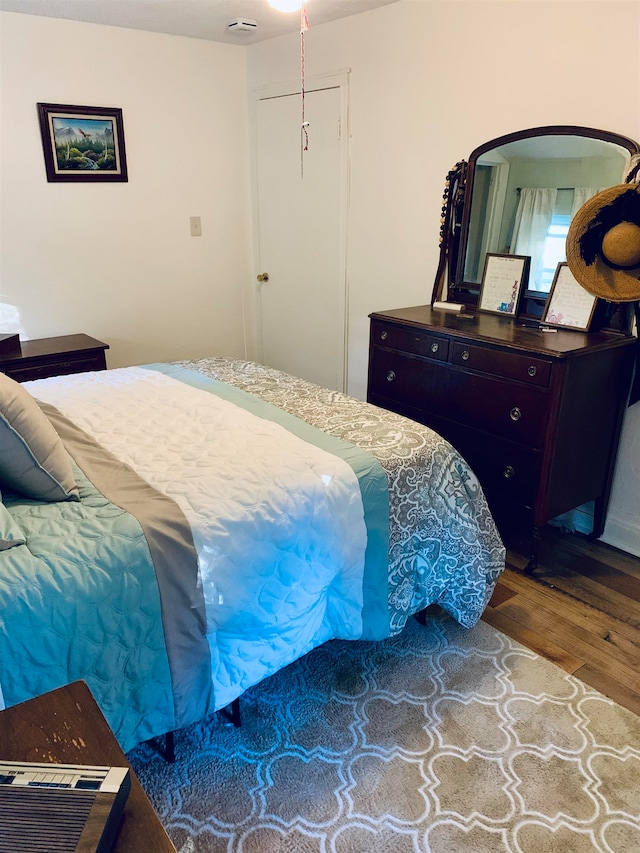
429, 81
623, 521
116, 260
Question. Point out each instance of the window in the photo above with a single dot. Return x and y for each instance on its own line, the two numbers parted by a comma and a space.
554, 251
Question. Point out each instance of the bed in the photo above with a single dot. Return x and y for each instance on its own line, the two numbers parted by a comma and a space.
174, 533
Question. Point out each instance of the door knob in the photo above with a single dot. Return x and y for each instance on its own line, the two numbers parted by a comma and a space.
264, 276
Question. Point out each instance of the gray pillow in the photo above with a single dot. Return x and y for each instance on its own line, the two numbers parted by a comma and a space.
33, 459
10, 533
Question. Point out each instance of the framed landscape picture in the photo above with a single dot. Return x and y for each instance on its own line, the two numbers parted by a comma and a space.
568, 305
503, 279
82, 143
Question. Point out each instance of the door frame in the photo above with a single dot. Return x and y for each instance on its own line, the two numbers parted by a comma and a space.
337, 80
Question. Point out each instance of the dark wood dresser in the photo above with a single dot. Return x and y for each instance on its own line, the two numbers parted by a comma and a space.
537, 414
39, 359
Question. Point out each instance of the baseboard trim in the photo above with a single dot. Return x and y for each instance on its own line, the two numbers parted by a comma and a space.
623, 534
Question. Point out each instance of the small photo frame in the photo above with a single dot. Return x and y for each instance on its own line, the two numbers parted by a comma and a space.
82, 143
503, 280
568, 305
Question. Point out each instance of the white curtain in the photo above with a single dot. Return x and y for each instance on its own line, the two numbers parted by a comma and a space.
533, 217
582, 195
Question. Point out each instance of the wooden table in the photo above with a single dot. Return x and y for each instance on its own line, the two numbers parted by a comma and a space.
66, 726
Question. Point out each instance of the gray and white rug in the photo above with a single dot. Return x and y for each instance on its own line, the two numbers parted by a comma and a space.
441, 739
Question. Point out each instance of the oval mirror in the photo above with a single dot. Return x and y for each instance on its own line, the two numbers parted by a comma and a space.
521, 192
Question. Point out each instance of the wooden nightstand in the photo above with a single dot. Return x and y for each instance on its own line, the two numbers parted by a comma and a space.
46, 357
66, 726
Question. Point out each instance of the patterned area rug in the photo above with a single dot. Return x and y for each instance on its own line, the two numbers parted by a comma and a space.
441, 739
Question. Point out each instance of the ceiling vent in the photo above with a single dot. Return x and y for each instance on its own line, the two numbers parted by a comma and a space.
242, 25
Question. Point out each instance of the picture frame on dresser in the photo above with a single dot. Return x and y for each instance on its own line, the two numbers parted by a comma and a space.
568, 305
503, 280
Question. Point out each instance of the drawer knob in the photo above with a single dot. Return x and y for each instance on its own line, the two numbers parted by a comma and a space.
532, 370
391, 376
435, 347
383, 336
465, 355
515, 414
509, 471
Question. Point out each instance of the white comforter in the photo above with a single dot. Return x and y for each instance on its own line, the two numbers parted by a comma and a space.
278, 523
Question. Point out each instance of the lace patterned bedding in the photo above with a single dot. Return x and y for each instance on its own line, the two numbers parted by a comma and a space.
443, 543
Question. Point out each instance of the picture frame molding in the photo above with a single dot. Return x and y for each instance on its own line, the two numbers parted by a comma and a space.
565, 288
47, 112
503, 286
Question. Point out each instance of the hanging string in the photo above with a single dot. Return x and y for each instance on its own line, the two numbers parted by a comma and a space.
304, 132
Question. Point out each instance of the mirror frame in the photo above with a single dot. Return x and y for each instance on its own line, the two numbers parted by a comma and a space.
467, 292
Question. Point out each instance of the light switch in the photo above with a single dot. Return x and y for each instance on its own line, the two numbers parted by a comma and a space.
196, 226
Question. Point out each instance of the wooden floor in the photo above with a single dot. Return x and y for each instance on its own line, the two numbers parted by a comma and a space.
581, 610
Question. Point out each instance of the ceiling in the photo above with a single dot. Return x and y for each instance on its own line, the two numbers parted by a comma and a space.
203, 19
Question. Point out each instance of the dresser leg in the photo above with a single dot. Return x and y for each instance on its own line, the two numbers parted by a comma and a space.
599, 517
536, 539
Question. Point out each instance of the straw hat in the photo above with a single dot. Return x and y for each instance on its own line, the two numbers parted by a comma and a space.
603, 244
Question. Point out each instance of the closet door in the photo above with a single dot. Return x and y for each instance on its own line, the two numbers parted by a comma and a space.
301, 221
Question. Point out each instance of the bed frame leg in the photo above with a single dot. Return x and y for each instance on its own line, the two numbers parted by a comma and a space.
429, 610
421, 617
170, 747
233, 715
166, 750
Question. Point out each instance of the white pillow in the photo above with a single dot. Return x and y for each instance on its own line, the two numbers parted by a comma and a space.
33, 459
10, 533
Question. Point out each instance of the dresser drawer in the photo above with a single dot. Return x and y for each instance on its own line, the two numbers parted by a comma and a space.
25, 372
505, 409
408, 381
410, 340
505, 469
501, 363
45, 357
